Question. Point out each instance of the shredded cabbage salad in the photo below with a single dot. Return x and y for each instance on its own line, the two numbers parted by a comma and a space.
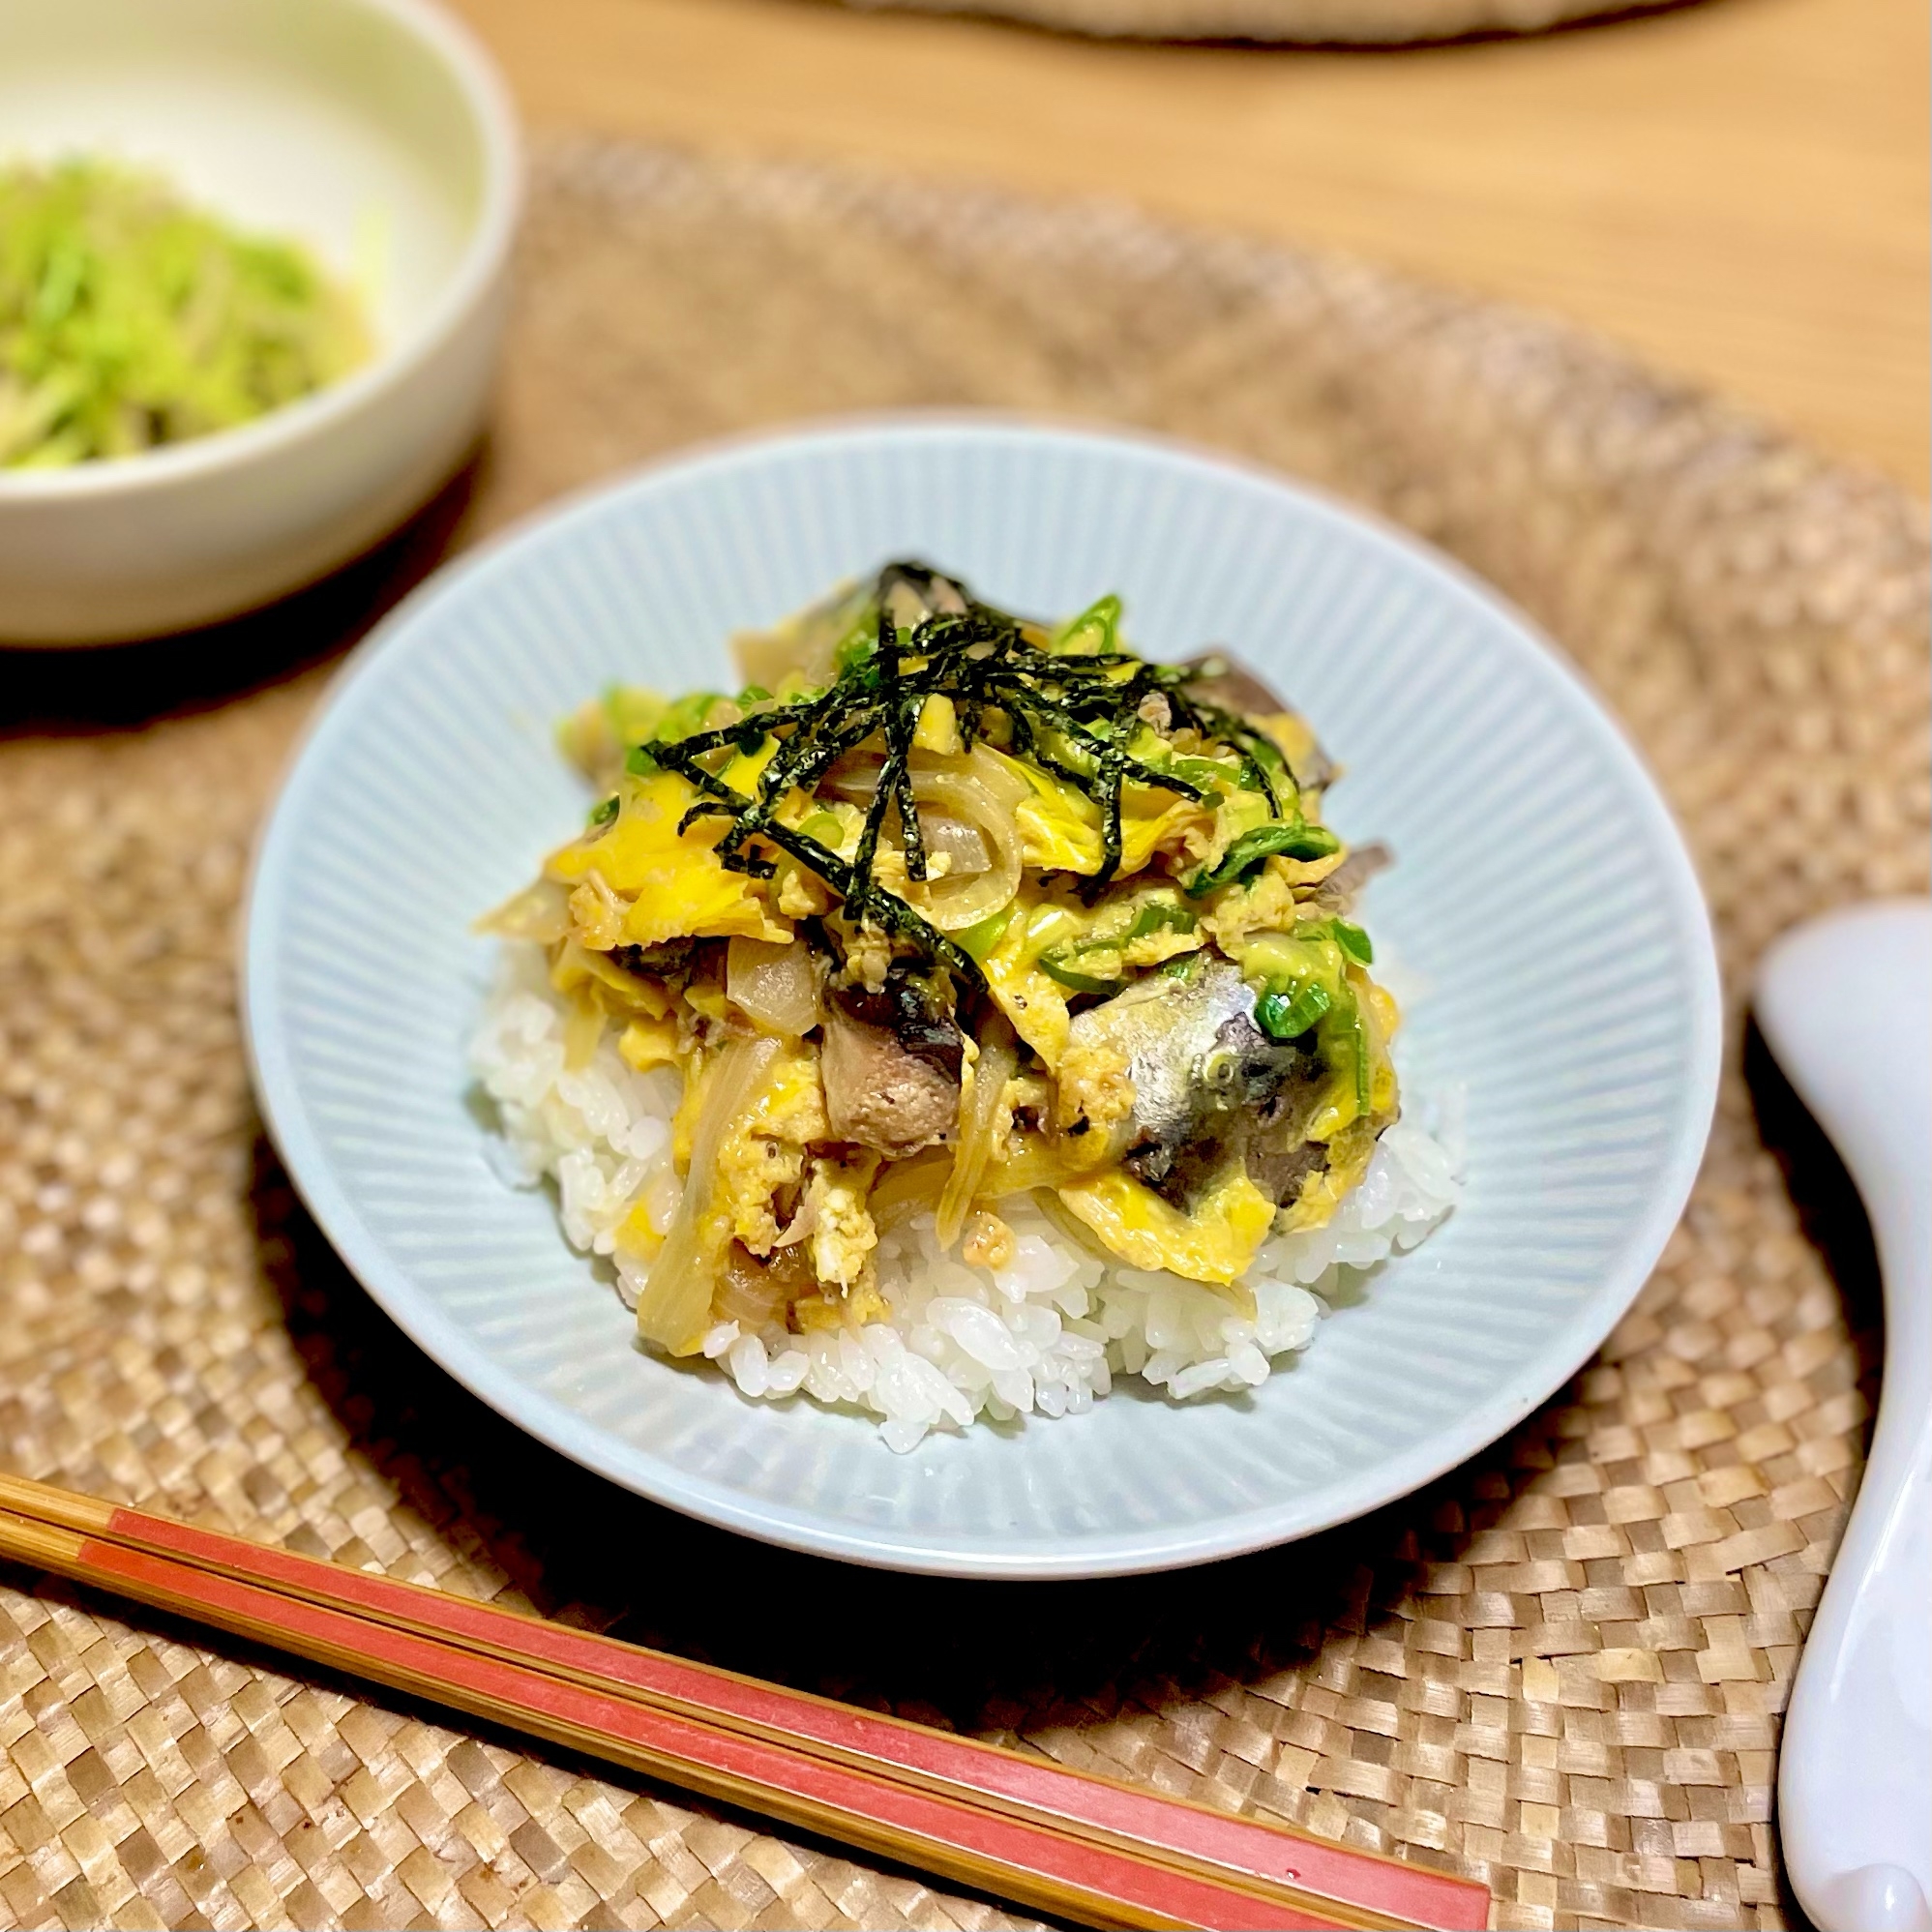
129, 320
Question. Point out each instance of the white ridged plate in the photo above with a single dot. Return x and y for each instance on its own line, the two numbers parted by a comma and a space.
1542, 892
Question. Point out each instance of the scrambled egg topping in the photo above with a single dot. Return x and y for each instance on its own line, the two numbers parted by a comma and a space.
1214, 1241
640, 881
1187, 1045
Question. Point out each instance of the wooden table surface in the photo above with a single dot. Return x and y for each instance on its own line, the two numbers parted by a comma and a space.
1736, 189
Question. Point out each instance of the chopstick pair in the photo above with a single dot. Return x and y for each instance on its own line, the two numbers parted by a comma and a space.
1064, 1842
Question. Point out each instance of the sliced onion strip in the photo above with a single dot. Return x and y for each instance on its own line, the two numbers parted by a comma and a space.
979, 798
979, 1123
965, 848
775, 987
540, 911
676, 1307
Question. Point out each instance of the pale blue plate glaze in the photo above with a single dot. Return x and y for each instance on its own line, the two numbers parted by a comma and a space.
1542, 892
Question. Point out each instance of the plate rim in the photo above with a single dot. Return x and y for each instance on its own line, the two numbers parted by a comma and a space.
1132, 1552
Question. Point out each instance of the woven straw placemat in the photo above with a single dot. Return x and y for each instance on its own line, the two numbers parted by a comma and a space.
1561, 1669
1307, 22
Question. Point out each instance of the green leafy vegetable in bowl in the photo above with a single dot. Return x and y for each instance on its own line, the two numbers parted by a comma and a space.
129, 320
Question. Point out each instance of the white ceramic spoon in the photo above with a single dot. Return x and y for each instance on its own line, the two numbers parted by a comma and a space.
1846, 1004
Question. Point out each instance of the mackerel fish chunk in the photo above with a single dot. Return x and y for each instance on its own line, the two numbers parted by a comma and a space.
1209, 1090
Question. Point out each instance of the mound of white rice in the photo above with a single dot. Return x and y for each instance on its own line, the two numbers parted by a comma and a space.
1046, 1335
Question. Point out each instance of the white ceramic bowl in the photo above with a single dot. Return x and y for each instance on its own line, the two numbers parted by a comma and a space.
1541, 893
375, 131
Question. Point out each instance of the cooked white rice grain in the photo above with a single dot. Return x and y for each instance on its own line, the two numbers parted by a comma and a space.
1045, 1335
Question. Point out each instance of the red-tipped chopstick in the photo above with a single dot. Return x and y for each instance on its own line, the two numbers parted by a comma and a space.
1269, 1868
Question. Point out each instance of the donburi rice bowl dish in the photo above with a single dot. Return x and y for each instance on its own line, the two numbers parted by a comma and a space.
966, 1013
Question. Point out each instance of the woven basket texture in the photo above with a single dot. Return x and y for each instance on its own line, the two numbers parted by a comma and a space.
1306, 22
1561, 1669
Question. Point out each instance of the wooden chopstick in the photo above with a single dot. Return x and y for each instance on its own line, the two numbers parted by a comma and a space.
1328, 1884
1352, 1887
1036, 1866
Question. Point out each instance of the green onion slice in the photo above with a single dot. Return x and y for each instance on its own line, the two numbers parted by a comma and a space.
1354, 941
1159, 918
979, 939
1287, 1014
1285, 838
1074, 980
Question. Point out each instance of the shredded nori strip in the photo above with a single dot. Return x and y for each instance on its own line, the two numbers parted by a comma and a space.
984, 663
